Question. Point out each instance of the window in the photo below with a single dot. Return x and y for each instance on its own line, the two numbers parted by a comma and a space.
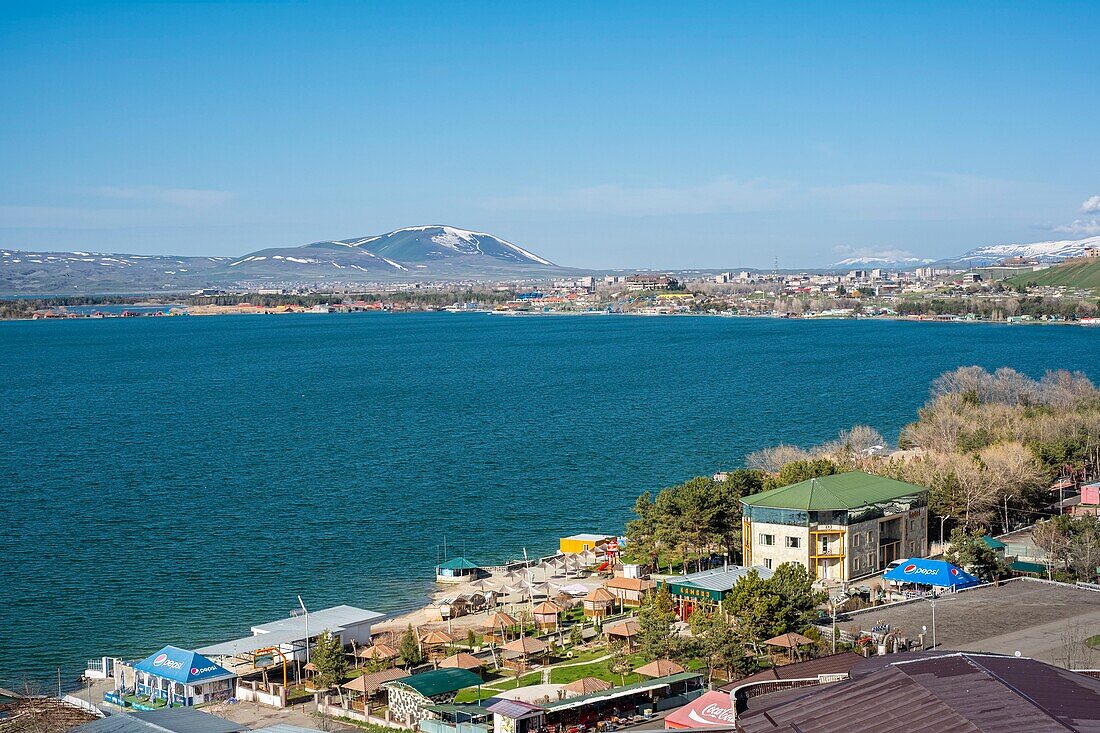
767, 539
794, 542
768, 563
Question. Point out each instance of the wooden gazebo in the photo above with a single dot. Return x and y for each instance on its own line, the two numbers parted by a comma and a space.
499, 626
546, 616
599, 603
522, 652
378, 652
462, 660
791, 642
435, 643
624, 631
659, 668
586, 686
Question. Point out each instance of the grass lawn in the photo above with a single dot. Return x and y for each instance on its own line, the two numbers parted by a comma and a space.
1093, 641
565, 675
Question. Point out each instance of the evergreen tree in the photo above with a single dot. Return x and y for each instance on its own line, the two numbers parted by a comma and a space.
328, 657
655, 619
409, 646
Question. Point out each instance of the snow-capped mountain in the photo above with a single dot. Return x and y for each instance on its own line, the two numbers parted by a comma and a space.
896, 263
415, 253
1051, 251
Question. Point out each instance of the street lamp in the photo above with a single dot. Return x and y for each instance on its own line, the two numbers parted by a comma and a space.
305, 616
836, 600
935, 643
944, 518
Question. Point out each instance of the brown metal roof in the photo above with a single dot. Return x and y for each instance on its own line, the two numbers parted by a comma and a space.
839, 663
371, 682
942, 693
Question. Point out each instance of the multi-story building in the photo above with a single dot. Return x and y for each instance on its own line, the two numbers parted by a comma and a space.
839, 527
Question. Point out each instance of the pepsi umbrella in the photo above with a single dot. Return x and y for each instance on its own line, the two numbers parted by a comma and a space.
937, 573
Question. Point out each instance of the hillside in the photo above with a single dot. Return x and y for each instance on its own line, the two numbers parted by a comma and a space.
413, 254
1079, 273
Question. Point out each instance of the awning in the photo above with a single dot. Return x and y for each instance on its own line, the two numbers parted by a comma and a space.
182, 665
712, 710
937, 573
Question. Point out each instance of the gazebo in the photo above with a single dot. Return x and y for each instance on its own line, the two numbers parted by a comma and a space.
586, 686
518, 653
498, 626
599, 603
378, 652
546, 616
367, 685
435, 641
462, 660
659, 668
791, 642
623, 630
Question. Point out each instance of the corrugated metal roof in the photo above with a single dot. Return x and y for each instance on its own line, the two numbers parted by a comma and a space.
840, 663
840, 491
173, 720
439, 681
333, 619
719, 579
942, 693
292, 630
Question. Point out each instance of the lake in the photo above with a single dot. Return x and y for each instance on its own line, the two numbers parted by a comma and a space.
178, 480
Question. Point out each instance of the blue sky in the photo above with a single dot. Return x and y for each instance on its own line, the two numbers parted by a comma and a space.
600, 135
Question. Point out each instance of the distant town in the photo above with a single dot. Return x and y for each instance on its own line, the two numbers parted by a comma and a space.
1016, 290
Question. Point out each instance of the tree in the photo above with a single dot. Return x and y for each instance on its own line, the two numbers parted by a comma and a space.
801, 470
968, 551
619, 663
576, 636
798, 599
328, 657
765, 608
655, 620
718, 644
409, 646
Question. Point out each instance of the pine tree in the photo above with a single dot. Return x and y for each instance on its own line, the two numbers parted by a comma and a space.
410, 648
328, 657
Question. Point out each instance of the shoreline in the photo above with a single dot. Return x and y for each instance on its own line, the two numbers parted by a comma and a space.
283, 311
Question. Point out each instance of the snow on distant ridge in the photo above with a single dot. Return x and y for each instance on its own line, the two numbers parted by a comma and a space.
1051, 251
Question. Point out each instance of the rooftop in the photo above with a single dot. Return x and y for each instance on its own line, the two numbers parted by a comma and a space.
840, 663
458, 563
719, 579
439, 681
849, 490
941, 693
616, 692
292, 630
1025, 615
172, 720
588, 537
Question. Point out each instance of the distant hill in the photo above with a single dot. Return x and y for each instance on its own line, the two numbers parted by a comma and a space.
423, 253
1081, 273
1050, 251
891, 263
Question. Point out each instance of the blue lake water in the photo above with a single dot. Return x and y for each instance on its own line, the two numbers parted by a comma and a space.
178, 480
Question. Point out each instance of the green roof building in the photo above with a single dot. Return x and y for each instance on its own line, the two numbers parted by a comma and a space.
456, 570
412, 698
841, 527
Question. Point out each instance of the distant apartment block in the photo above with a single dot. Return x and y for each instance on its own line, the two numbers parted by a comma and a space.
649, 282
839, 527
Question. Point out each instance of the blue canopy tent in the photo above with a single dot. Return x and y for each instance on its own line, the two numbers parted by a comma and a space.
181, 677
936, 573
